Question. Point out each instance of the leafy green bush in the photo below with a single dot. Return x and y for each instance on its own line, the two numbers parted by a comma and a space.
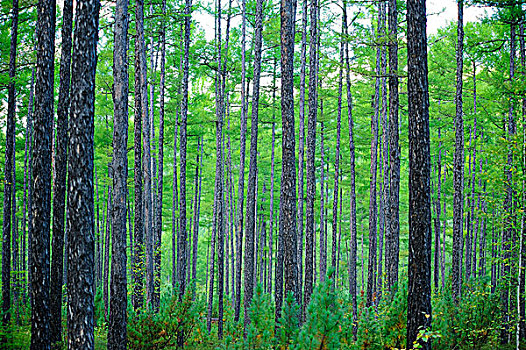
149, 330
260, 331
287, 330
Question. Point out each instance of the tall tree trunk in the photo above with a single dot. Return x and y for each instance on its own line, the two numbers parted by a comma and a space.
384, 165
323, 243
458, 166
59, 183
138, 283
373, 208
118, 290
287, 215
107, 236
352, 221
301, 147
181, 235
392, 247
80, 174
250, 267
146, 163
241, 176
159, 200
310, 231
509, 231
9, 187
419, 266
41, 176
196, 220
271, 228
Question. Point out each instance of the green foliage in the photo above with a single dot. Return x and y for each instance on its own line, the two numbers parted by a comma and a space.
470, 324
260, 331
287, 327
322, 329
149, 330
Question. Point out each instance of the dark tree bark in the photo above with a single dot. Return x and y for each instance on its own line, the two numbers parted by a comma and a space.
287, 210
250, 267
9, 186
301, 146
458, 166
159, 200
146, 162
353, 229
310, 256
241, 176
59, 183
196, 220
41, 176
419, 266
271, 225
118, 291
80, 233
323, 232
182, 234
509, 230
392, 247
107, 240
335, 249
138, 283
373, 207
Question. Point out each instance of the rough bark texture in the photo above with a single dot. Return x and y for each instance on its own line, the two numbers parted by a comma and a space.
419, 265
182, 234
81, 239
41, 176
138, 293
301, 146
241, 176
323, 231
59, 183
9, 186
458, 166
118, 291
287, 215
311, 166
250, 267
392, 247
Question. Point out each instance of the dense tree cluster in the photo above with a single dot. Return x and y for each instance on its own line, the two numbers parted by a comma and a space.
382, 203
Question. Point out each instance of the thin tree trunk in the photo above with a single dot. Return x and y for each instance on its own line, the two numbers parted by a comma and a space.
310, 256
271, 228
109, 210
80, 233
458, 166
59, 183
118, 291
9, 186
323, 243
250, 268
138, 294
241, 177
181, 238
419, 265
196, 220
301, 148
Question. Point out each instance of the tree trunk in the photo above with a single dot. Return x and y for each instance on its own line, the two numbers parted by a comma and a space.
181, 235
146, 164
373, 208
419, 266
287, 216
118, 290
241, 177
159, 200
138, 294
9, 187
301, 147
323, 234
250, 267
271, 228
80, 174
310, 231
107, 236
458, 166
41, 177
196, 220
